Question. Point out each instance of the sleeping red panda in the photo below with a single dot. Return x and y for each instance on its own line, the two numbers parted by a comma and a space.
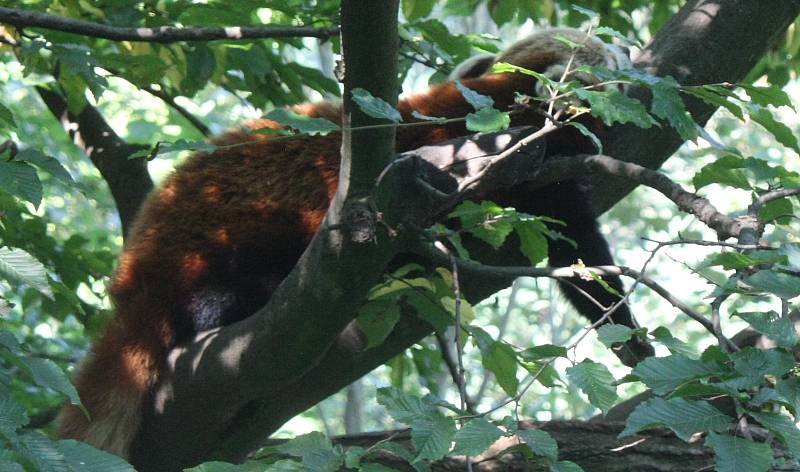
214, 241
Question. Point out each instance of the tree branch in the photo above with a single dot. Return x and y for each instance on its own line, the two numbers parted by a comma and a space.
165, 34
128, 180
706, 42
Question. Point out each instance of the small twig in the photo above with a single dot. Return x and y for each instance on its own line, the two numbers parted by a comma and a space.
771, 196
462, 388
165, 34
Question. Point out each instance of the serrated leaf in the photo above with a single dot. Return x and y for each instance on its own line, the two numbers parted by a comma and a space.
684, 417
431, 431
779, 210
724, 171
667, 104
20, 268
302, 123
752, 362
83, 457
738, 454
612, 106
488, 120
545, 351
737, 260
586, 132
783, 134
422, 117
484, 221
374, 106
12, 415
675, 345
352, 457
476, 436
591, 14
47, 163
20, 179
778, 283
42, 453
315, 450
776, 327
783, 427
789, 391
767, 96
712, 97
501, 359
596, 382
664, 374
539, 442
532, 240
474, 98
47, 374
609, 334
377, 319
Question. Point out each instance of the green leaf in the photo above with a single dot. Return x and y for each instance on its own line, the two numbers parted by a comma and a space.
6, 117
485, 221
539, 442
47, 374
352, 457
488, 120
20, 179
737, 260
782, 133
753, 362
778, 283
83, 457
739, 455
42, 453
413, 9
609, 334
789, 391
712, 96
285, 465
476, 436
316, 452
472, 97
532, 240
767, 96
777, 210
596, 382
675, 345
586, 132
783, 427
302, 123
47, 163
776, 327
12, 415
612, 106
685, 417
431, 431
726, 171
545, 351
664, 374
501, 359
377, 319
565, 466
667, 104
591, 14
20, 268
374, 106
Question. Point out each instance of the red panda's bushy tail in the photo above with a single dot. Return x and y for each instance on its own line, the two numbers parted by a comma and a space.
113, 382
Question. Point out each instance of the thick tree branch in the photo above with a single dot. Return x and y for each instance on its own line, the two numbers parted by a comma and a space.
679, 47
127, 179
165, 34
707, 41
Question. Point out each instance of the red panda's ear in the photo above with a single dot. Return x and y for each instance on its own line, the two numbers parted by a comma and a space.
473, 67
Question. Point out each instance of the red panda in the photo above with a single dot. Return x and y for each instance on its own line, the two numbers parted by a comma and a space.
214, 241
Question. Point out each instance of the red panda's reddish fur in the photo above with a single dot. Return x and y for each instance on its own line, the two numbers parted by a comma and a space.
224, 230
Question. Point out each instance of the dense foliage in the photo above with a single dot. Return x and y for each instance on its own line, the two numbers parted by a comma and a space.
59, 232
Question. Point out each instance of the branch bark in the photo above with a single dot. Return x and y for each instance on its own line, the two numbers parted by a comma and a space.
706, 42
128, 180
165, 34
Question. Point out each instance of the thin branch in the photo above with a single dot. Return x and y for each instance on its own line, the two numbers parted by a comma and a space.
165, 34
771, 196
